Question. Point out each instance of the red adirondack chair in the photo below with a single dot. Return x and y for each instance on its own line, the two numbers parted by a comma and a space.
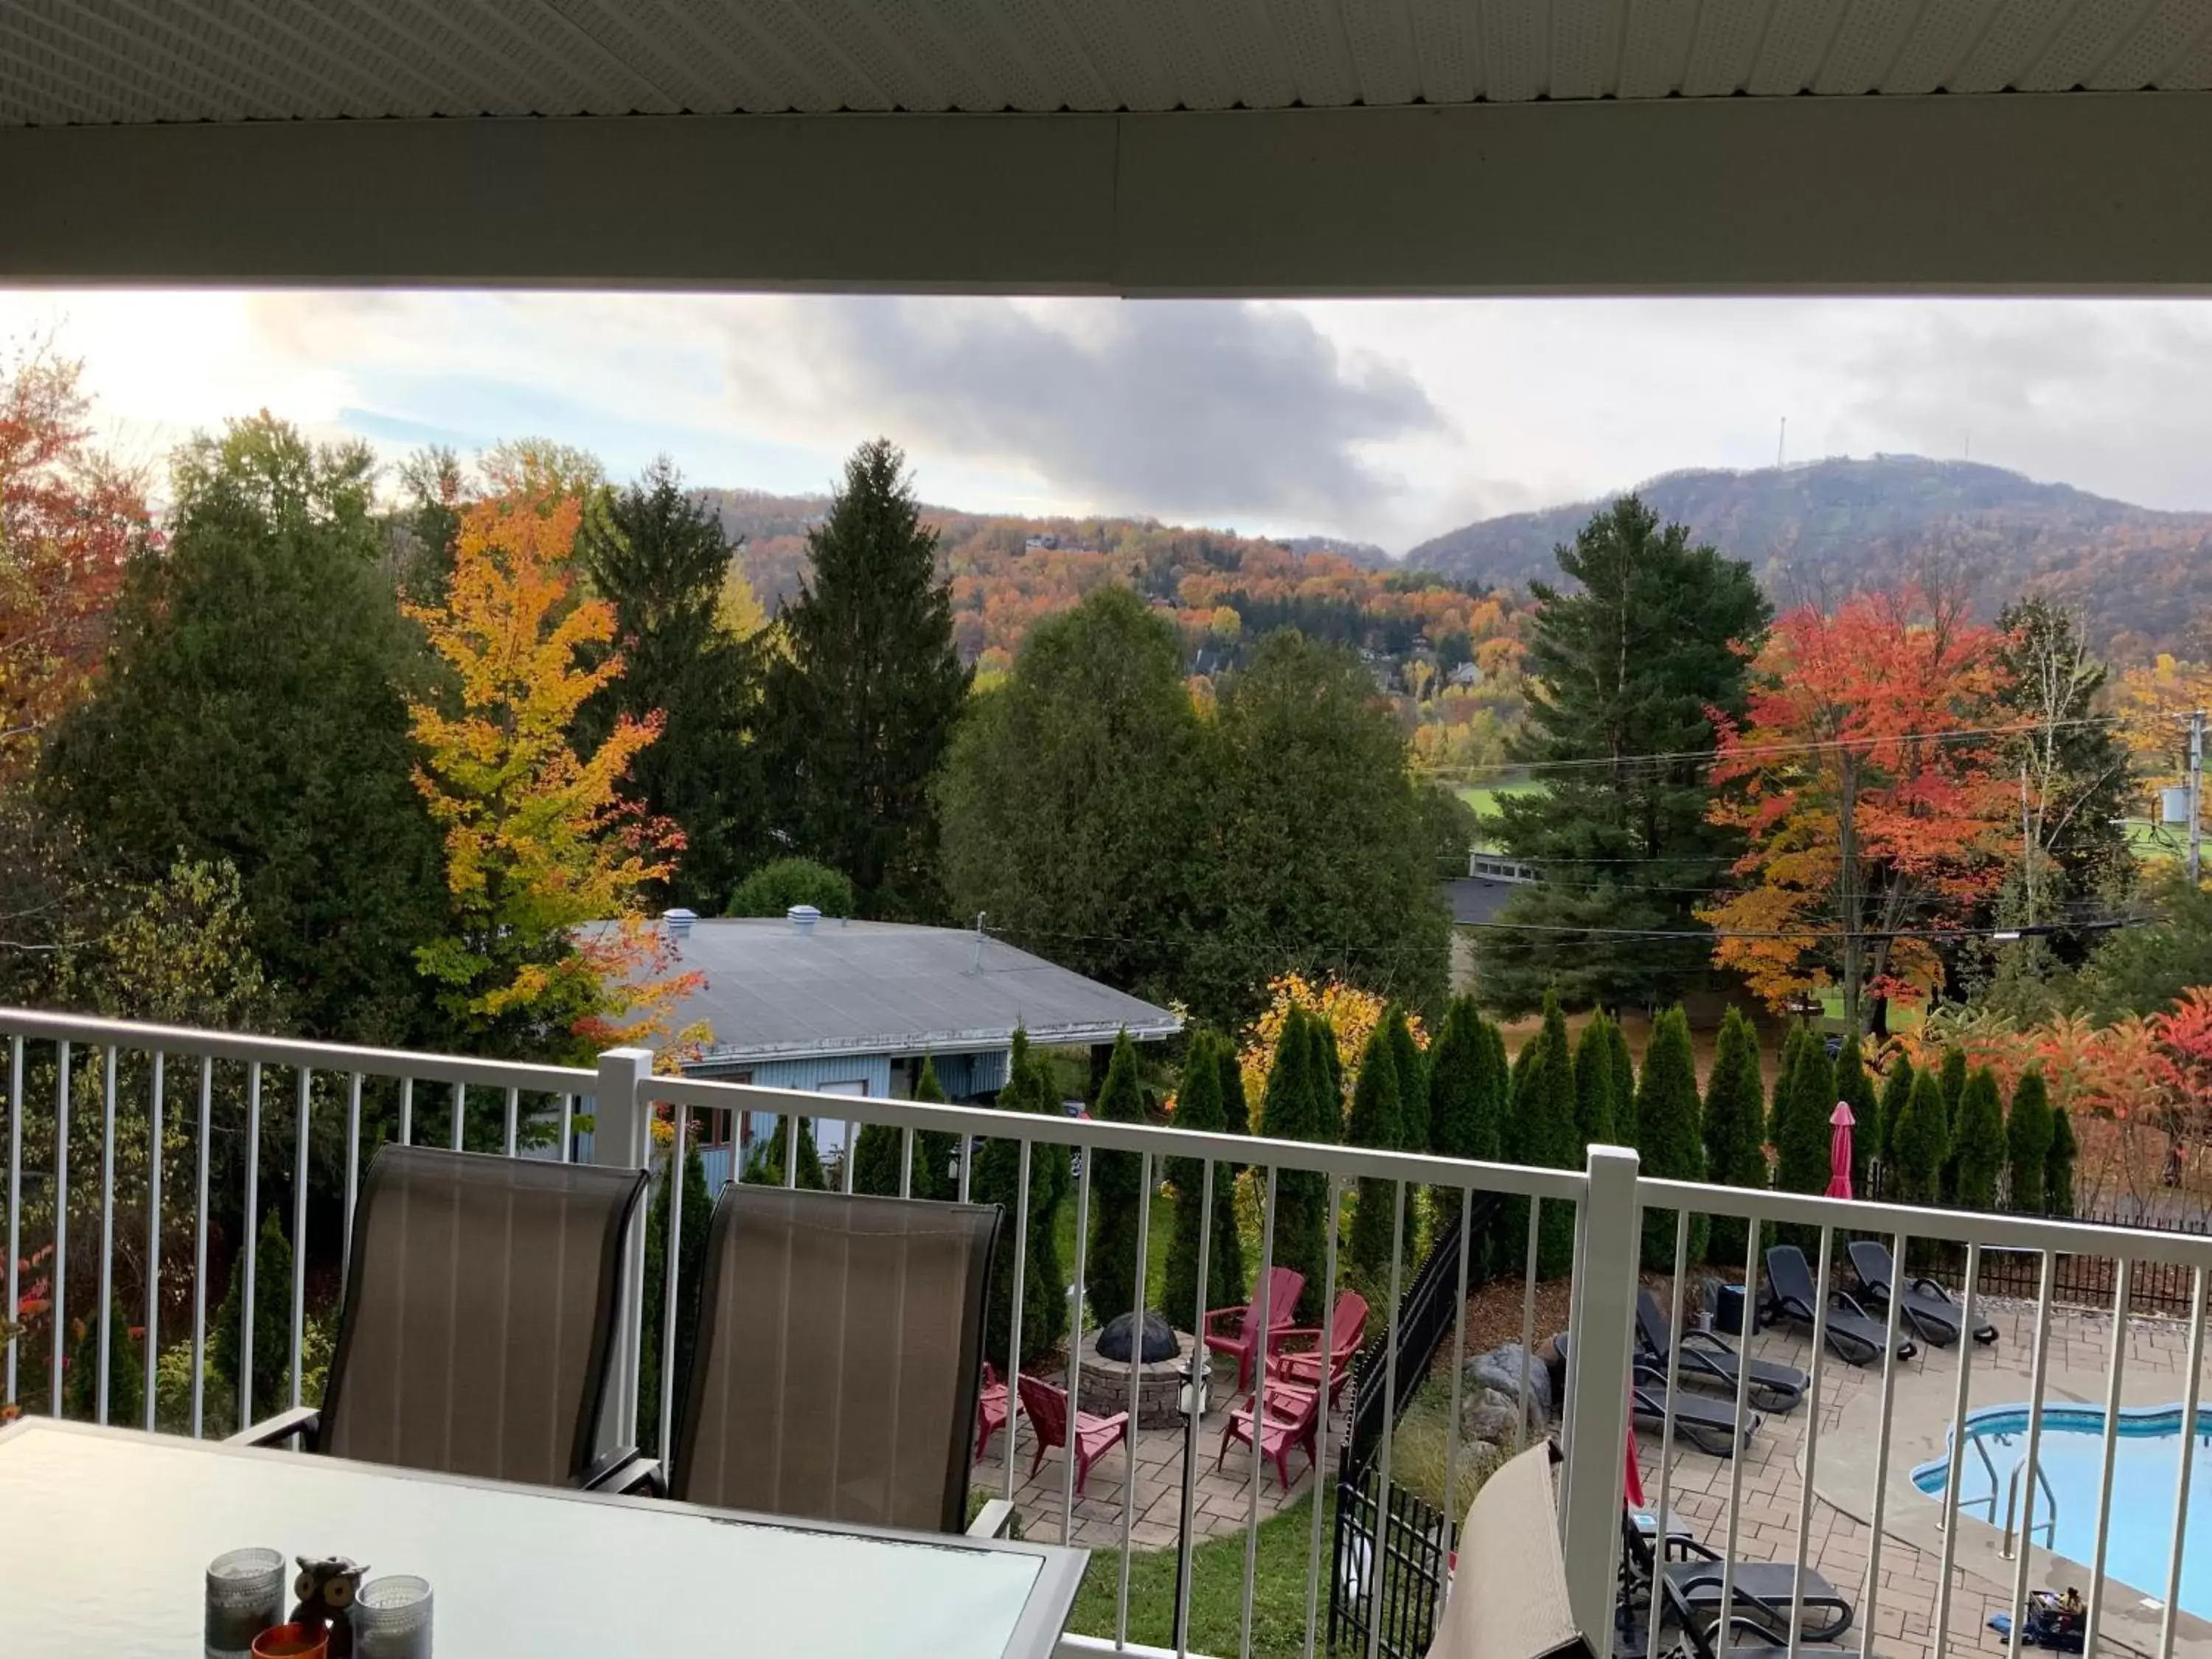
990, 1410
1347, 1325
1046, 1407
1293, 1420
1236, 1330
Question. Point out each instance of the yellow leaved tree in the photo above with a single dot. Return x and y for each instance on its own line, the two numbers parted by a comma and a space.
551, 954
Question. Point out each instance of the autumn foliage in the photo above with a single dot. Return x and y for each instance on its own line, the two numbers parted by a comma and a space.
1869, 800
545, 862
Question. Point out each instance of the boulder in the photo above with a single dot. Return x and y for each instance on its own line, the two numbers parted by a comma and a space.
1500, 1369
1490, 1414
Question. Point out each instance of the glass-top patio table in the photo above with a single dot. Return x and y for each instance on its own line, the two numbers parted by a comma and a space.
106, 1533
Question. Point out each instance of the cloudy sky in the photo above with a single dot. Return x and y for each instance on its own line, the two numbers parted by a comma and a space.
1382, 422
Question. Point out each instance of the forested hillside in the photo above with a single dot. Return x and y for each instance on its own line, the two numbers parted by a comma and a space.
2138, 577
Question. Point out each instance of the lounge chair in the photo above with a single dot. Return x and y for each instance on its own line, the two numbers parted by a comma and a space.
1690, 1578
1700, 1358
1852, 1332
1347, 1327
837, 1364
1046, 1407
1236, 1330
1507, 1597
1709, 1425
477, 1333
1927, 1304
1293, 1420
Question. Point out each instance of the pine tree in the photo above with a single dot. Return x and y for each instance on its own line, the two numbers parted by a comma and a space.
126, 1373
1198, 1108
1980, 1141
997, 1180
2058, 1169
1896, 1091
1299, 1103
1624, 1083
1917, 1144
1801, 1132
1856, 1090
1594, 1106
691, 1260
860, 706
1118, 1196
272, 1322
1672, 1145
2028, 1133
1374, 1123
1735, 1112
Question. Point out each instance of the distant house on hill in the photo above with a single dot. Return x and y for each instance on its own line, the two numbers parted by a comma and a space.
852, 1007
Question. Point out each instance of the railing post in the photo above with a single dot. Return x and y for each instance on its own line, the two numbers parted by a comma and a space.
622, 1138
1596, 1426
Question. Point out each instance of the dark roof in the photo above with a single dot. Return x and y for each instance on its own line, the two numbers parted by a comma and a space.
772, 992
1475, 899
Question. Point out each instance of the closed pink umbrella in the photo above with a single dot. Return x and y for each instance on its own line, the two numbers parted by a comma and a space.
1839, 1151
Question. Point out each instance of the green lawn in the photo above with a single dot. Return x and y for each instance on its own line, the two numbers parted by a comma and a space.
1484, 797
1217, 1590
1162, 1234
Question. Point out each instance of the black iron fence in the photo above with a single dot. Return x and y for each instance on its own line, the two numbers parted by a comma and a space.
1391, 1549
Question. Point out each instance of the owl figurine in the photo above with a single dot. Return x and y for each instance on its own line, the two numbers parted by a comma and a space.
326, 1590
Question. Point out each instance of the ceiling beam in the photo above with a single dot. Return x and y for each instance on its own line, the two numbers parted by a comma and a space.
2068, 192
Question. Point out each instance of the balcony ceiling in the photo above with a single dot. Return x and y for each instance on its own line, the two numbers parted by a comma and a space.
111, 61
1132, 147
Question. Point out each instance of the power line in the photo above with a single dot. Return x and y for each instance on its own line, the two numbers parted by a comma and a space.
2041, 930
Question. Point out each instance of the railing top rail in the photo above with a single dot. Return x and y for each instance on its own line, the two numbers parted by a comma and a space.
1089, 1132
1989, 1230
42, 1025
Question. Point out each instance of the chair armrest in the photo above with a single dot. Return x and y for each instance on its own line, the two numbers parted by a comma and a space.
1708, 1339
1299, 1333
624, 1470
1849, 1302
1206, 1326
994, 1520
1924, 1282
301, 1422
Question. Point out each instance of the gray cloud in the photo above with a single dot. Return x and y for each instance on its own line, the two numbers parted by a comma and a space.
1192, 409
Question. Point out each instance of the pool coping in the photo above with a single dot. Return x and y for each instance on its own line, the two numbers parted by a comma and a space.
1919, 1434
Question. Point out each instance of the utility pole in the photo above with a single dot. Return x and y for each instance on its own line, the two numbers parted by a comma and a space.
2027, 848
2196, 794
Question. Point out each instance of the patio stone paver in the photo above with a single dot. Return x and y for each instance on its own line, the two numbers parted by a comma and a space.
1837, 1540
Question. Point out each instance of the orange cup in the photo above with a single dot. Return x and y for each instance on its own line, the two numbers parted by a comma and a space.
292, 1642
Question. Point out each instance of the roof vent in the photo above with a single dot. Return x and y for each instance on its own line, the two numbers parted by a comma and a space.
802, 918
678, 923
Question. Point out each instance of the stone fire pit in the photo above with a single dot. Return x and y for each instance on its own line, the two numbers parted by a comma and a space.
1104, 1384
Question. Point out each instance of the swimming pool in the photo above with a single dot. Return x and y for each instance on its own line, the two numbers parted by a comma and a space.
2145, 1467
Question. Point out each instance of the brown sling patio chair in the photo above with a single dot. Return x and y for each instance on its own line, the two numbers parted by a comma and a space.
478, 1327
836, 1373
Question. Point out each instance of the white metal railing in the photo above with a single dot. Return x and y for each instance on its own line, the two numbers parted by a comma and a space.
124, 1142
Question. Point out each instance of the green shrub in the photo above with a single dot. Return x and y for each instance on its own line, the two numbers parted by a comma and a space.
1594, 1113
1803, 1101
1300, 1104
2058, 1168
2028, 1133
1978, 1142
1412, 1066
1199, 1108
126, 1375
1540, 1132
876, 1151
1951, 1078
1896, 1091
1624, 1083
997, 1181
272, 1326
1673, 1146
1110, 1269
1236, 1110
1735, 1120
691, 1272
1374, 1123
1918, 1143
773, 888
764, 1163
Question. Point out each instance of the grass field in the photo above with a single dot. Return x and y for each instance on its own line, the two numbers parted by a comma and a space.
1484, 797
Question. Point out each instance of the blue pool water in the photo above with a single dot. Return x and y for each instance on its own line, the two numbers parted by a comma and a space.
2145, 1467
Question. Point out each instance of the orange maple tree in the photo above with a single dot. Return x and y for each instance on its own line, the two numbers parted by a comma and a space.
70, 518
546, 864
1866, 795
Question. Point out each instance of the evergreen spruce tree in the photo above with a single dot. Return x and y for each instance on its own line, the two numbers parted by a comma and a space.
1673, 1147
1374, 1122
1785, 1082
2058, 1168
935, 1151
1856, 1090
690, 1267
1236, 1110
1198, 1108
1334, 1099
1979, 1141
272, 1322
2028, 1133
1951, 1078
1111, 1270
126, 1373
656, 552
876, 1151
1462, 1114
1801, 1132
1412, 1066
1896, 1091
860, 703
1917, 1144
1735, 1114
997, 1181
1299, 1103
765, 1166
1543, 1114
1594, 1107
1624, 1083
